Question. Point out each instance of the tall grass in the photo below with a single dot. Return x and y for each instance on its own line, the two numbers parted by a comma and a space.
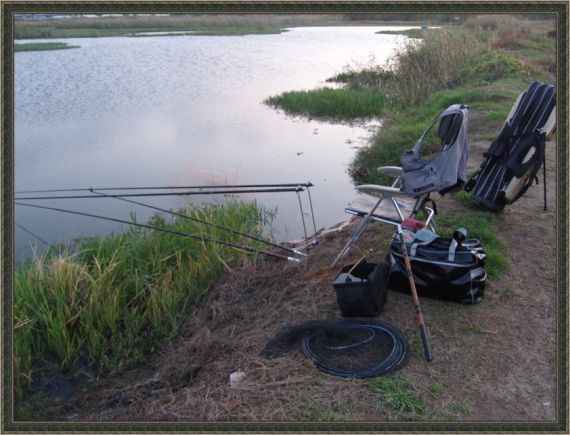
119, 297
421, 68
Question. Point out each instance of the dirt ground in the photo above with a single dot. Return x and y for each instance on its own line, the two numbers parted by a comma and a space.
495, 361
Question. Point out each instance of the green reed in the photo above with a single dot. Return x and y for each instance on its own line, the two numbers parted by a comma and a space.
120, 296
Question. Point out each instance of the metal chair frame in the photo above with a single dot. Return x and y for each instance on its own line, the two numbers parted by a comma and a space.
384, 192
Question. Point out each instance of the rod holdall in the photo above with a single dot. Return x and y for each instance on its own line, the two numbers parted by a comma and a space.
443, 268
511, 163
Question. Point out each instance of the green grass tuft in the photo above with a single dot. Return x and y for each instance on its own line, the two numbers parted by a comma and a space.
437, 389
394, 395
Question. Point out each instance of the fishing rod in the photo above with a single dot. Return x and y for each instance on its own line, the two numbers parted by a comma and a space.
415, 299
238, 186
31, 234
205, 192
201, 221
166, 230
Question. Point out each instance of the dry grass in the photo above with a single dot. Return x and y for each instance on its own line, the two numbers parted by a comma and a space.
421, 69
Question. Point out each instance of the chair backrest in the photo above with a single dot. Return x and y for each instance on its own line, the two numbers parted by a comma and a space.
448, 168
449, 129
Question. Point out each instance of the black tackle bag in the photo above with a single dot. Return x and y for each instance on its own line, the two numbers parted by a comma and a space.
363, 291
449, 269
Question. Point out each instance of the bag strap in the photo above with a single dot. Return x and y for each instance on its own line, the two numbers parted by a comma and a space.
458, 237
428, 241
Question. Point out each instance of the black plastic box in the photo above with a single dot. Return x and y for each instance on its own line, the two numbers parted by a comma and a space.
363, 292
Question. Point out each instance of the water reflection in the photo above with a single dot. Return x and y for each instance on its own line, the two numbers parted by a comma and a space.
182, 110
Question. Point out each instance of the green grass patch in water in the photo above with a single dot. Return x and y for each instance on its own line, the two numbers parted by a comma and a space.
329, 103
42, 46
410, 33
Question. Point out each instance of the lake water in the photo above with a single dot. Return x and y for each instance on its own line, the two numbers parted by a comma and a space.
182, 110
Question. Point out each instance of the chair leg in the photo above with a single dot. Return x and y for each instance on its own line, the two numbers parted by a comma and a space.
357, 232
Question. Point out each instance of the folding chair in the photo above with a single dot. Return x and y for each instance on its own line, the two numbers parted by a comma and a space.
409, 194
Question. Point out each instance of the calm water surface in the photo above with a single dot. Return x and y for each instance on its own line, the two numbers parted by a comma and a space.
182, 110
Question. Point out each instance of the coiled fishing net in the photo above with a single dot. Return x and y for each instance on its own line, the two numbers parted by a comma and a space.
347, 348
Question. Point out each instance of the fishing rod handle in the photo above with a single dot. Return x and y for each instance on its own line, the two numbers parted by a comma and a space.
415, 299
409, 272
421, 323
425, 342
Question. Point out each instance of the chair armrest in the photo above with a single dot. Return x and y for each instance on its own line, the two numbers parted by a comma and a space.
390, 171
377, 190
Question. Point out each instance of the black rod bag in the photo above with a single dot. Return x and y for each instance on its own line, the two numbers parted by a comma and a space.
443, 268
513, 160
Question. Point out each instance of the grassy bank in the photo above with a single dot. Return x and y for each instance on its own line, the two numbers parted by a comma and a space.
41, 46
117, 299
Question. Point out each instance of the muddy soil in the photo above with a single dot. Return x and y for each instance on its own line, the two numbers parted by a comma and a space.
495, 361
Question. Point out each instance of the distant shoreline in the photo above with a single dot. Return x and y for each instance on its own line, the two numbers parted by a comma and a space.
218, 25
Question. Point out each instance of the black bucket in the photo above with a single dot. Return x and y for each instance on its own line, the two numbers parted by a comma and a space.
363, 292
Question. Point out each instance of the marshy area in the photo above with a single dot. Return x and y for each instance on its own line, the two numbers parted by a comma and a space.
144, 326
199, 24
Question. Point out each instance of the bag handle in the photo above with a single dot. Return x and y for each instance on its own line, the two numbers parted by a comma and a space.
459, 236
